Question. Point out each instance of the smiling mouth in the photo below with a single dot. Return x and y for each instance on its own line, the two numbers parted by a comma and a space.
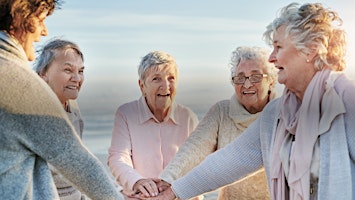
249, 92
72, 87
163, 95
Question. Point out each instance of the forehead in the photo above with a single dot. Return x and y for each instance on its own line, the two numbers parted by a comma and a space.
249, 66
162, 69
280, 34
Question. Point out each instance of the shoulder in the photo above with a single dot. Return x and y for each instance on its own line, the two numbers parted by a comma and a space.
184, 111
129, 107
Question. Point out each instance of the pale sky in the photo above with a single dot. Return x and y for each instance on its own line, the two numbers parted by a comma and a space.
200, 34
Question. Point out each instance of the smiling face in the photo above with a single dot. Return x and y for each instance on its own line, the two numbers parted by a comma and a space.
65, 74
253, 96
159, 88
294, 70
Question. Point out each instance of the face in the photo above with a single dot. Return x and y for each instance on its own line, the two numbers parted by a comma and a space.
65, 74
30, 38
253, 96
159, 87
294, 72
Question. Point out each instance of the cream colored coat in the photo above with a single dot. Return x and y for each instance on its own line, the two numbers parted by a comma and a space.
225, 121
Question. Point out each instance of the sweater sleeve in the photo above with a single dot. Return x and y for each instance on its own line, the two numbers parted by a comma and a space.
196, 148
41, 130
120, 152
223, 167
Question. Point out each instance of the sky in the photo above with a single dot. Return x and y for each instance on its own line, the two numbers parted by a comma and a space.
201, 35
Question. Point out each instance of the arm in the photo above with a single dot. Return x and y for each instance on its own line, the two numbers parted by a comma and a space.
120, 152
201, 143
44, 131
223, 167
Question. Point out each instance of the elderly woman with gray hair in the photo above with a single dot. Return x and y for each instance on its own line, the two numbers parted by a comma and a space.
148, 132
60, 65
253, 78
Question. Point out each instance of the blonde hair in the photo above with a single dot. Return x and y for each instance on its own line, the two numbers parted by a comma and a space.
312, 25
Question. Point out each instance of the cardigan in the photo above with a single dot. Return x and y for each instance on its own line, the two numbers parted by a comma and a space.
35, 130
224, 121
253, 149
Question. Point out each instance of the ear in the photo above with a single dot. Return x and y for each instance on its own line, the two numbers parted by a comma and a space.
44, 77
141, 86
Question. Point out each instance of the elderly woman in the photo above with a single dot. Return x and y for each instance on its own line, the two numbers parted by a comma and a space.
61, 65
34, 128
305, 139
148, 132
253, 78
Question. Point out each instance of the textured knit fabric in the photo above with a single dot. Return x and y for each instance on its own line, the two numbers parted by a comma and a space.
141, 146
254, 147
66, 190
34, 130
224, 122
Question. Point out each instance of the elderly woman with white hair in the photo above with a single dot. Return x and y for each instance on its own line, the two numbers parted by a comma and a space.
253, 78
148, 132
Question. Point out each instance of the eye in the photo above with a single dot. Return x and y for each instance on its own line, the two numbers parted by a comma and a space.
171, 78
155, 79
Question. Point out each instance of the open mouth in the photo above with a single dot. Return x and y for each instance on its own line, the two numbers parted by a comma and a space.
163, 95
72, 87
249, 92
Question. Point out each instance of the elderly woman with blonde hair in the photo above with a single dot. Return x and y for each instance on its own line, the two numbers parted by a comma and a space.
304, 139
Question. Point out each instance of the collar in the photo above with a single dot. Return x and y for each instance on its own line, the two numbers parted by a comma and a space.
145, 114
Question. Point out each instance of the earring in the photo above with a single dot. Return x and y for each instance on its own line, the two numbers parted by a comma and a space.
307, 60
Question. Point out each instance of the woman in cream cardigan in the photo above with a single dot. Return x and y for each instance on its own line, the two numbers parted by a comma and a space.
253, 78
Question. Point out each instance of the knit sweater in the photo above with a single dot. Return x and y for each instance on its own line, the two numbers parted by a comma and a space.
252, 149
224, 122
34, 130
66, 190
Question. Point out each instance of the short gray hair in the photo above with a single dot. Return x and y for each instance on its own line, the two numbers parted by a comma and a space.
155, 59
258, 54
47, 53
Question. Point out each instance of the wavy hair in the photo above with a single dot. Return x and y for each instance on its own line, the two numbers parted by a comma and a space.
311, 26
18, 15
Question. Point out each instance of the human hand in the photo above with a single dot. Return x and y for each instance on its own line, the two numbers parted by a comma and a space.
167, 194
146, 188
162, 185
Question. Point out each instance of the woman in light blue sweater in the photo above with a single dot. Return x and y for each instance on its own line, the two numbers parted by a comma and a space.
305, 139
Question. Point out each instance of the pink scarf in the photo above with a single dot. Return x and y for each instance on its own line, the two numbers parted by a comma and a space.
301, 121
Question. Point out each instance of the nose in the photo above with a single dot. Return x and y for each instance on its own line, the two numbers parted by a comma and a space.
247, 83
76, 77
272, 57
165, 84
44, 31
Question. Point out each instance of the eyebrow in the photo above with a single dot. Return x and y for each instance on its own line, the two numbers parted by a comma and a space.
253, 71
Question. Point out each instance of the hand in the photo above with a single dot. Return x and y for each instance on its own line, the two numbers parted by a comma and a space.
163, 185
167, 194
146, 188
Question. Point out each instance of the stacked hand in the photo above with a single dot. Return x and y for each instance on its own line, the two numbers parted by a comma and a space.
152, 188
